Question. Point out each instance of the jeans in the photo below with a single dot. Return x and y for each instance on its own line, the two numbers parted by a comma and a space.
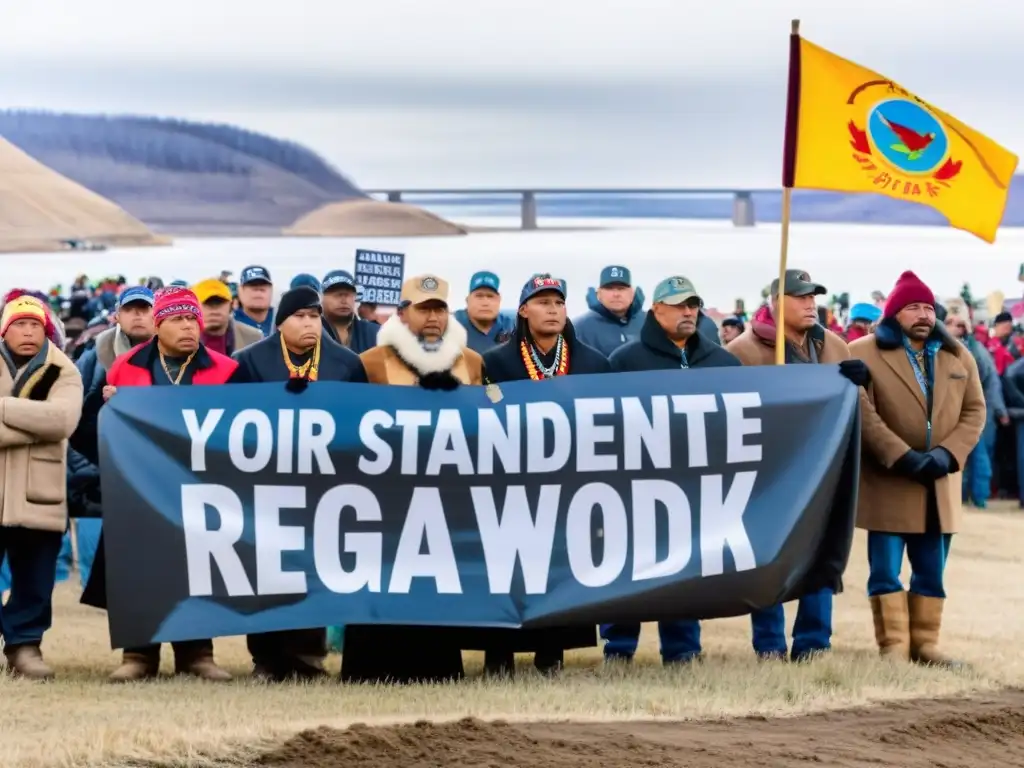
32, 557
927, 553
977, 475
1018, 427
87, 531
812, 630
680, 640
62, 568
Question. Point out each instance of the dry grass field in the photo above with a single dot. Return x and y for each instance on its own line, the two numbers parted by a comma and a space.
80, 720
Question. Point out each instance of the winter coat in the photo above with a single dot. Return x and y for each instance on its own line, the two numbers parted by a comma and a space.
264, 361
265, 328
894, 419
240, 336
34, 429
400, 360
756, 345
991, 386
361, 337
604, 331
654, 350
1013, 390
480, 342
505, 363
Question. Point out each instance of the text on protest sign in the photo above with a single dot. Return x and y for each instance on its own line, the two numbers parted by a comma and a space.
380, 275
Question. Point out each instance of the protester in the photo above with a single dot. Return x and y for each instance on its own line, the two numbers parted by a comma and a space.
40, 403
486, 325
339, 304
255, 295
134, 326
304, 279
297, 353
807, 341
1004, 335
863, 317
421, 346
977, 473
174, 357
544, 345
921, 417
1013, 391
615, 315
669, 340
731, 328
221, 332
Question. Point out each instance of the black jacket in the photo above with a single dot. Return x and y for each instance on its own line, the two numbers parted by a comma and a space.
655, 351
263, 361
505, 363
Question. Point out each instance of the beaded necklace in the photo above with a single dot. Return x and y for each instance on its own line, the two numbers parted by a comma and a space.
308, 370
535, 367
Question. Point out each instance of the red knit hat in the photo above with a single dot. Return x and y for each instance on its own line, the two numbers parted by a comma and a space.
908, 290
174, 301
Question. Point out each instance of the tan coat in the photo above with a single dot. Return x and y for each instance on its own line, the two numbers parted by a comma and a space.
33, 444
244, 334
398, 358
894, 419
756, 345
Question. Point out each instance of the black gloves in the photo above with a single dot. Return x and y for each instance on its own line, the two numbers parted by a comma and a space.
856, 371
297, 385
40, 390
442, 380
926, 468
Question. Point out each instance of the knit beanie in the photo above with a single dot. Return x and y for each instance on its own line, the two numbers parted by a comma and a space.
174, 301
908, 290
25, 307
295, 300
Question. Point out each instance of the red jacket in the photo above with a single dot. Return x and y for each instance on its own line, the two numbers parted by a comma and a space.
1001, 355
135, 367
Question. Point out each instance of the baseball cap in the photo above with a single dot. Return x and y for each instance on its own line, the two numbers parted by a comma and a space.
206, 290
798, 283
615, 275
178, 284
423, 288
484, 280
337, 277
674, 290
540, 283
304, 279
135, 293
254, 274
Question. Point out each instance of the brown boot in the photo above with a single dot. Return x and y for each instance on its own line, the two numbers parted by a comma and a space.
27, 661
137, 664
892, 625
925, 622
195, 657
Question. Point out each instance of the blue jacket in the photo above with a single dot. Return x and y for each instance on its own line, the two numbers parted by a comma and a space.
266, 327
606, 332
655, 351
987, 374
502, 330
361, 337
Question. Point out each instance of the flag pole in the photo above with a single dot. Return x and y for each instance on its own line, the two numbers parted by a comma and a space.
788, 179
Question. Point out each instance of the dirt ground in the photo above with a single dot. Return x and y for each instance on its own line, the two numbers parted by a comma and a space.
727, 711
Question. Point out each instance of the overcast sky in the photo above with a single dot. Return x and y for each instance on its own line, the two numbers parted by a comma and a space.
493, 92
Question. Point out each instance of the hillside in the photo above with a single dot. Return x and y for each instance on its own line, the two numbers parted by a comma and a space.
179, 176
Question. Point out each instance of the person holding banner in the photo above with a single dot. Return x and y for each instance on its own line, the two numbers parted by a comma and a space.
174, 357
920, 418
807, 341
543, 346
420, 345
669, 340
40, 404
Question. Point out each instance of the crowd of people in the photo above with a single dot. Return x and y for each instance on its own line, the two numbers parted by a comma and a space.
926, 395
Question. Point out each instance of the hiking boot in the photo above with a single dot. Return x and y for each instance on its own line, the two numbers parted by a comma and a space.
27, 661
892, 625
195, 658
925, 623
138, 664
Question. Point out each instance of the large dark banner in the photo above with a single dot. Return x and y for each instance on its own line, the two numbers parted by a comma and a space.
625, 497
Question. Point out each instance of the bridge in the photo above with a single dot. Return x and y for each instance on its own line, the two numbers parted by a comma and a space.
742, 199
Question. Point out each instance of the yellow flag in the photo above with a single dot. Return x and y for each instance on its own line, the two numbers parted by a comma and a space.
849, 129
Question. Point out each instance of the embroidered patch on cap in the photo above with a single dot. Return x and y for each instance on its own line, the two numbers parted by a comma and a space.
428, 284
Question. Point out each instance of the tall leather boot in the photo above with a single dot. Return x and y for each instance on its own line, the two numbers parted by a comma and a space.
892, 625
137, 664
195, 657
925, 623
26, 661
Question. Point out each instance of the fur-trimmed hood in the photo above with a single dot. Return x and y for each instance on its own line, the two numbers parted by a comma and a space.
889, 335
395, 334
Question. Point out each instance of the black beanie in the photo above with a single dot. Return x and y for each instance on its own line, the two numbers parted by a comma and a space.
294, 300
